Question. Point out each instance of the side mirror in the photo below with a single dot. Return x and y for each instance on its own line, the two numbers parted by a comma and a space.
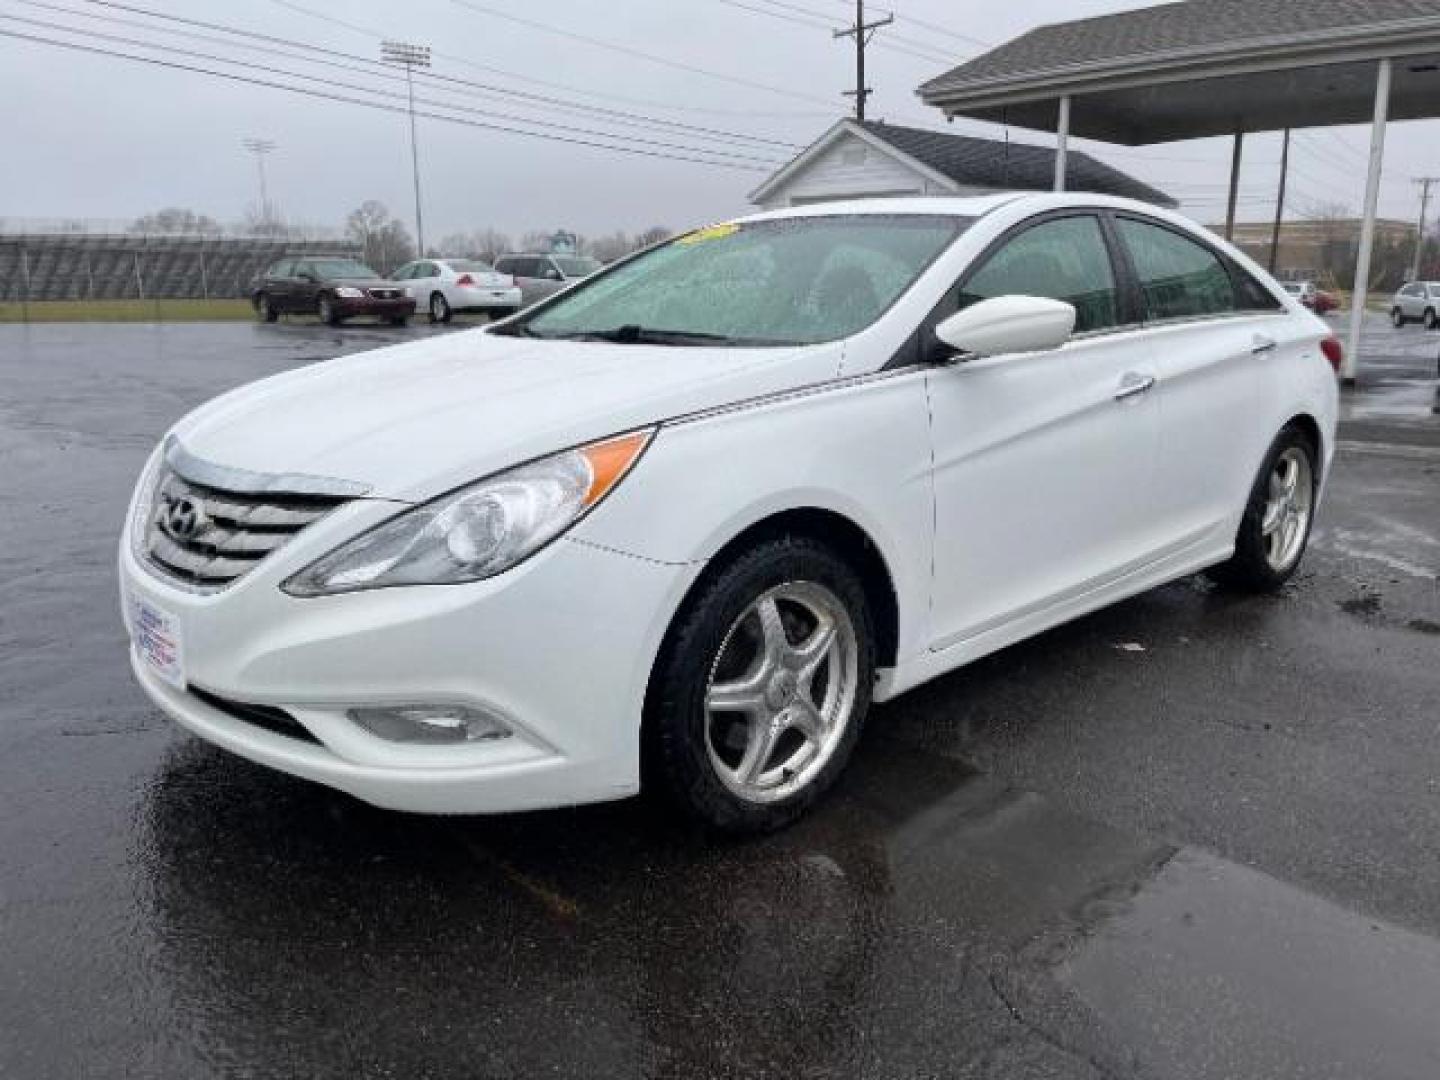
1009, 324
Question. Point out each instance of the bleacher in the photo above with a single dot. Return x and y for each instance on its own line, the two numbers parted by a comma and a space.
83, 266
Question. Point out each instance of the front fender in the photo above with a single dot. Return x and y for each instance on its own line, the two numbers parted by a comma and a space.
859, 448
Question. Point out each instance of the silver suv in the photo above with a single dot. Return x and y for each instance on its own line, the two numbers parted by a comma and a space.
1417, 301
540, 276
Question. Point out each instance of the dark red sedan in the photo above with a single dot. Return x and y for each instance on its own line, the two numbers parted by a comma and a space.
331, 288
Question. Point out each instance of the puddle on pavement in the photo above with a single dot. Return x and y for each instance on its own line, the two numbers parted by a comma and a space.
1216, 970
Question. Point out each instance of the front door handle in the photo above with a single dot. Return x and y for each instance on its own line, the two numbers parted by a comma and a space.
1262, 345
1133, 384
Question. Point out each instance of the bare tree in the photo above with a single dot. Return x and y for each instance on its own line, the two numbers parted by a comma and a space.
487, 244
176, 219
652, 236
263, 221
612, 247
385, 240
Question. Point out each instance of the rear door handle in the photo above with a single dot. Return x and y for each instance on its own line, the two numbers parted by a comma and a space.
1133, 384
1262, 345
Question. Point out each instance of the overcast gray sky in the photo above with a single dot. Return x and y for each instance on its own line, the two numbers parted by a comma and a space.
97, 137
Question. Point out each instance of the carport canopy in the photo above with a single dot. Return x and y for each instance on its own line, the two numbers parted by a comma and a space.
1202, 68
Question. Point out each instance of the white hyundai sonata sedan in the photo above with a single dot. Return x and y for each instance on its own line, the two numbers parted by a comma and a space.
688, 520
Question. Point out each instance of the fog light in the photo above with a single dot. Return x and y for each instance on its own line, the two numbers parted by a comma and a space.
431, 724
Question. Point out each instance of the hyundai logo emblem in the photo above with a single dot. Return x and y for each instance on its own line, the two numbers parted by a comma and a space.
182, 518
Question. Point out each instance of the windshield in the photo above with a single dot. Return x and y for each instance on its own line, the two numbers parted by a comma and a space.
789, 281
339, 268
576, 265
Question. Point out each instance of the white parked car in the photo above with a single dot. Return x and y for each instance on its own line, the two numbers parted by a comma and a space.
1417, 301
445, 286
687, 520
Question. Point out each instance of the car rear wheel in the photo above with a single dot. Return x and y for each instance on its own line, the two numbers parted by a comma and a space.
1276, 527
325, 309
1431, 322
265, 310
761, 690
1397, 318
439, 308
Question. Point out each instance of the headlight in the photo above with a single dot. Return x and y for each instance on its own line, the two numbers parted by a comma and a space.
348, 293
480, 530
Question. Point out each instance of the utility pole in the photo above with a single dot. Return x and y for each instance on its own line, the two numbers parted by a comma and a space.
1424, 182
261, 147
410, 57
862, 32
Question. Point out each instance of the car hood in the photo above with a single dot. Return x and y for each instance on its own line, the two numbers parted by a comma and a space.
415, 420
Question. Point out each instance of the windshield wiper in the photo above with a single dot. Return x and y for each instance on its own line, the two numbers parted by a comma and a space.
633, 334
513, 330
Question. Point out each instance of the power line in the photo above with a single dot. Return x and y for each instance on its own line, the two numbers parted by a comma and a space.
380, 106
626, 50
364, 89
804, 17
471, 87
464, 61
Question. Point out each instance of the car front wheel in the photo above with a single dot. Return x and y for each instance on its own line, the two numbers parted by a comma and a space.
1431, 322
439, 308
1397, 318
761, 690
1276, 527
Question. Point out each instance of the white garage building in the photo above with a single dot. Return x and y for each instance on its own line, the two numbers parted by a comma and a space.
869, 159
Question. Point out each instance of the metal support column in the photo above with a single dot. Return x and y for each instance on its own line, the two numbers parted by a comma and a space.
1361, 291
1280, 203
1062, 142
1235, 156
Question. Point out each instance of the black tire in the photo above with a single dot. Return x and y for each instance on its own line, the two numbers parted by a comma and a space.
1250, 569
1397, 318
265, 311
440, 309
326, 312
677, 745
1430, 321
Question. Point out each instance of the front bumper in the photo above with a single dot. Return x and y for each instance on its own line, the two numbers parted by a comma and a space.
402, 307
561, 647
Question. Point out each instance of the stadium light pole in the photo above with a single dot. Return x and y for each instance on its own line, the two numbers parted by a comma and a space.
261, 147
410, 57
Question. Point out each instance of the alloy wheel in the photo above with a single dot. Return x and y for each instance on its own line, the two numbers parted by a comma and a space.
1288, 509
781, 692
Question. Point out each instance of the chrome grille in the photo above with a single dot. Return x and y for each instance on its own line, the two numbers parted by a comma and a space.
206, 537
385, 294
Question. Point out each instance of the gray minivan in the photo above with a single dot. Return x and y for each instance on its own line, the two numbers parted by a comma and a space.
540, 276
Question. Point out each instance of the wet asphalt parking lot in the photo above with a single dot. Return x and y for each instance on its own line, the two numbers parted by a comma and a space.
1195, 835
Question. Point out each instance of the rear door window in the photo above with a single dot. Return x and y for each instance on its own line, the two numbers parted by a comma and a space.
1179, 277
1061, 259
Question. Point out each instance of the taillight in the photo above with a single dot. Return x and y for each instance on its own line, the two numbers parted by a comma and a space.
1334, 352
465, 279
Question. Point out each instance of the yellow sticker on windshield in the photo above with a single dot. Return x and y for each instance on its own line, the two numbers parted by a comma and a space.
710, 232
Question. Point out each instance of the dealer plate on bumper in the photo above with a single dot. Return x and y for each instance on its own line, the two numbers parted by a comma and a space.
157, 637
